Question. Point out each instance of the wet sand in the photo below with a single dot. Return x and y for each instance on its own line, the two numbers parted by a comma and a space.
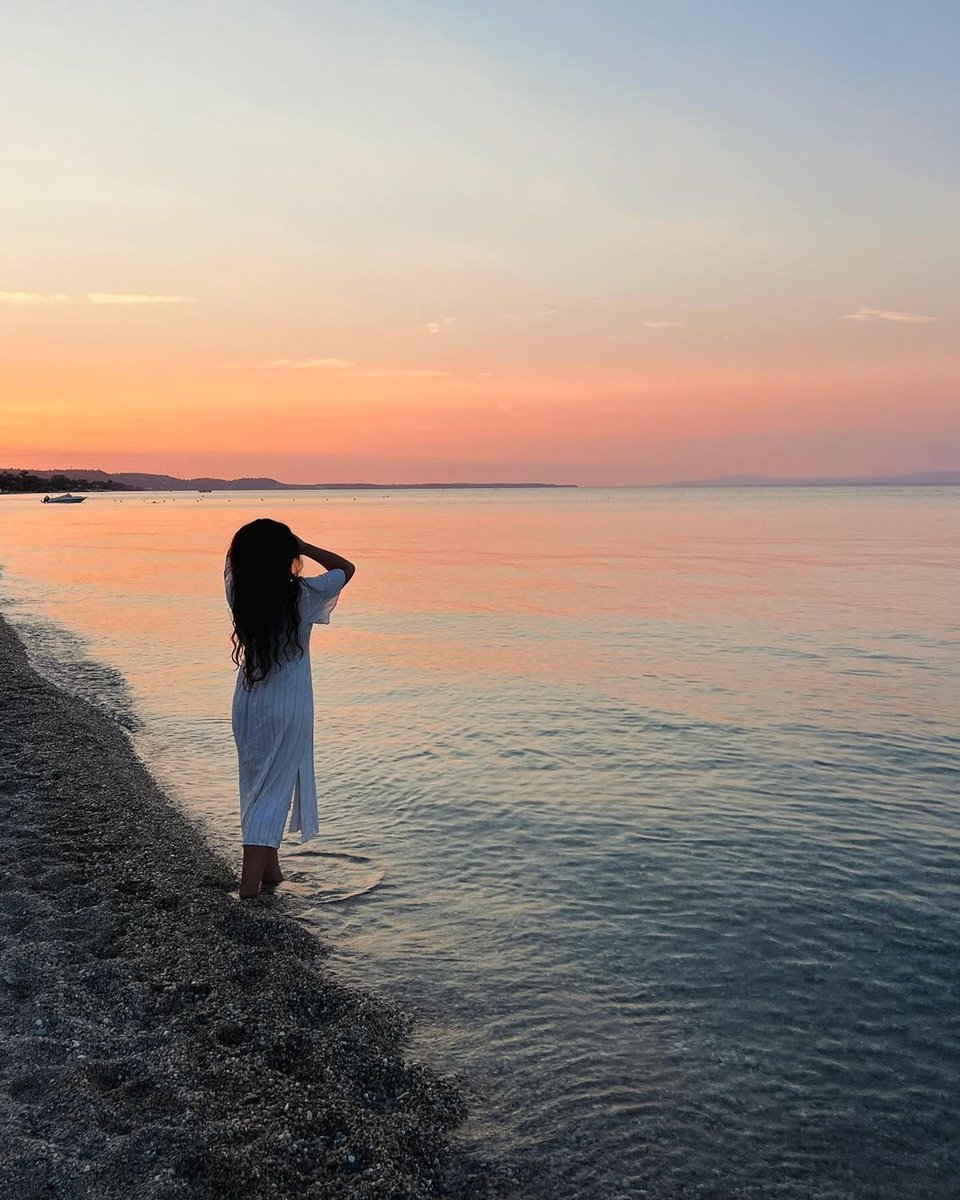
159, 1038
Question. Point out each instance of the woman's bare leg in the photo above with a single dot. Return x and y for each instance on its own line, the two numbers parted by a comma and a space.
255, 860
272, 874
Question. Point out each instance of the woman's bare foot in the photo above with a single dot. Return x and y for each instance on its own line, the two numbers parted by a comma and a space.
256, 862
272, 875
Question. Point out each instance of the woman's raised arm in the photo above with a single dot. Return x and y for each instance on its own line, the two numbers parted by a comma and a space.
327, 559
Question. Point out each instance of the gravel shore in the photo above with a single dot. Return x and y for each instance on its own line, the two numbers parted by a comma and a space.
161, 1039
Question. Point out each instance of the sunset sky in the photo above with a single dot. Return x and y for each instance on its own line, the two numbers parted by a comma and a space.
601, 242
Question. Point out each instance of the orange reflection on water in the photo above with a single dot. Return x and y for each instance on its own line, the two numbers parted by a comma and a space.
664, 598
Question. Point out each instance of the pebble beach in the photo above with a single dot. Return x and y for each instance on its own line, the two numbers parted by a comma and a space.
159, 1037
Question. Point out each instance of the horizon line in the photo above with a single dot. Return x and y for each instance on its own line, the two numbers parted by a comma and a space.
918, 477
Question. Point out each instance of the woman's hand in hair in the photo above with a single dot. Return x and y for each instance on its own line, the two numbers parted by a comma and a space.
327, 559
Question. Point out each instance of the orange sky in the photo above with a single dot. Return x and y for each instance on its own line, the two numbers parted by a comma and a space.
407, 249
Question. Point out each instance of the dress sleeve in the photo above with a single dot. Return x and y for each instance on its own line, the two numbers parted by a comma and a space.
228, 580
320, 595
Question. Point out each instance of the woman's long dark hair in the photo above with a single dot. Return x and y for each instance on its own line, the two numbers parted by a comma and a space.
266, 592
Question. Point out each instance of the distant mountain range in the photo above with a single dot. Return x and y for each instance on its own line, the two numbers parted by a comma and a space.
171, 483
912, 479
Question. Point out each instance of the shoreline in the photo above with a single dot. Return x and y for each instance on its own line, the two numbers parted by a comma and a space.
162, 1039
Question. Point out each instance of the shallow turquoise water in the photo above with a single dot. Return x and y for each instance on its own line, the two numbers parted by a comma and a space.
644, 802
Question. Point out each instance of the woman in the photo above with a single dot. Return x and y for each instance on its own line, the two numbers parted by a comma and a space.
273, 611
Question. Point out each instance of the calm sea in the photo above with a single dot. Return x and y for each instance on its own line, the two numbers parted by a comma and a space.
644, 802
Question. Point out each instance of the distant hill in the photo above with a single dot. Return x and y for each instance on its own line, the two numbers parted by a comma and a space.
913, 479
31, 481
171, 483
143, 481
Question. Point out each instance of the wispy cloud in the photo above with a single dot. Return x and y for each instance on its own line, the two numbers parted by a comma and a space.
135, 298
400, 373
314, 364
661, 324
439, 326
33, 298
883, 314
350, 367
90, 298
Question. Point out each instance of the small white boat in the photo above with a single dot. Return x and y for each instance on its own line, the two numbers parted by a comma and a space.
64, 499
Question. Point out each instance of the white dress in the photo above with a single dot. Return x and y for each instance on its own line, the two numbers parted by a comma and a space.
273, 729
